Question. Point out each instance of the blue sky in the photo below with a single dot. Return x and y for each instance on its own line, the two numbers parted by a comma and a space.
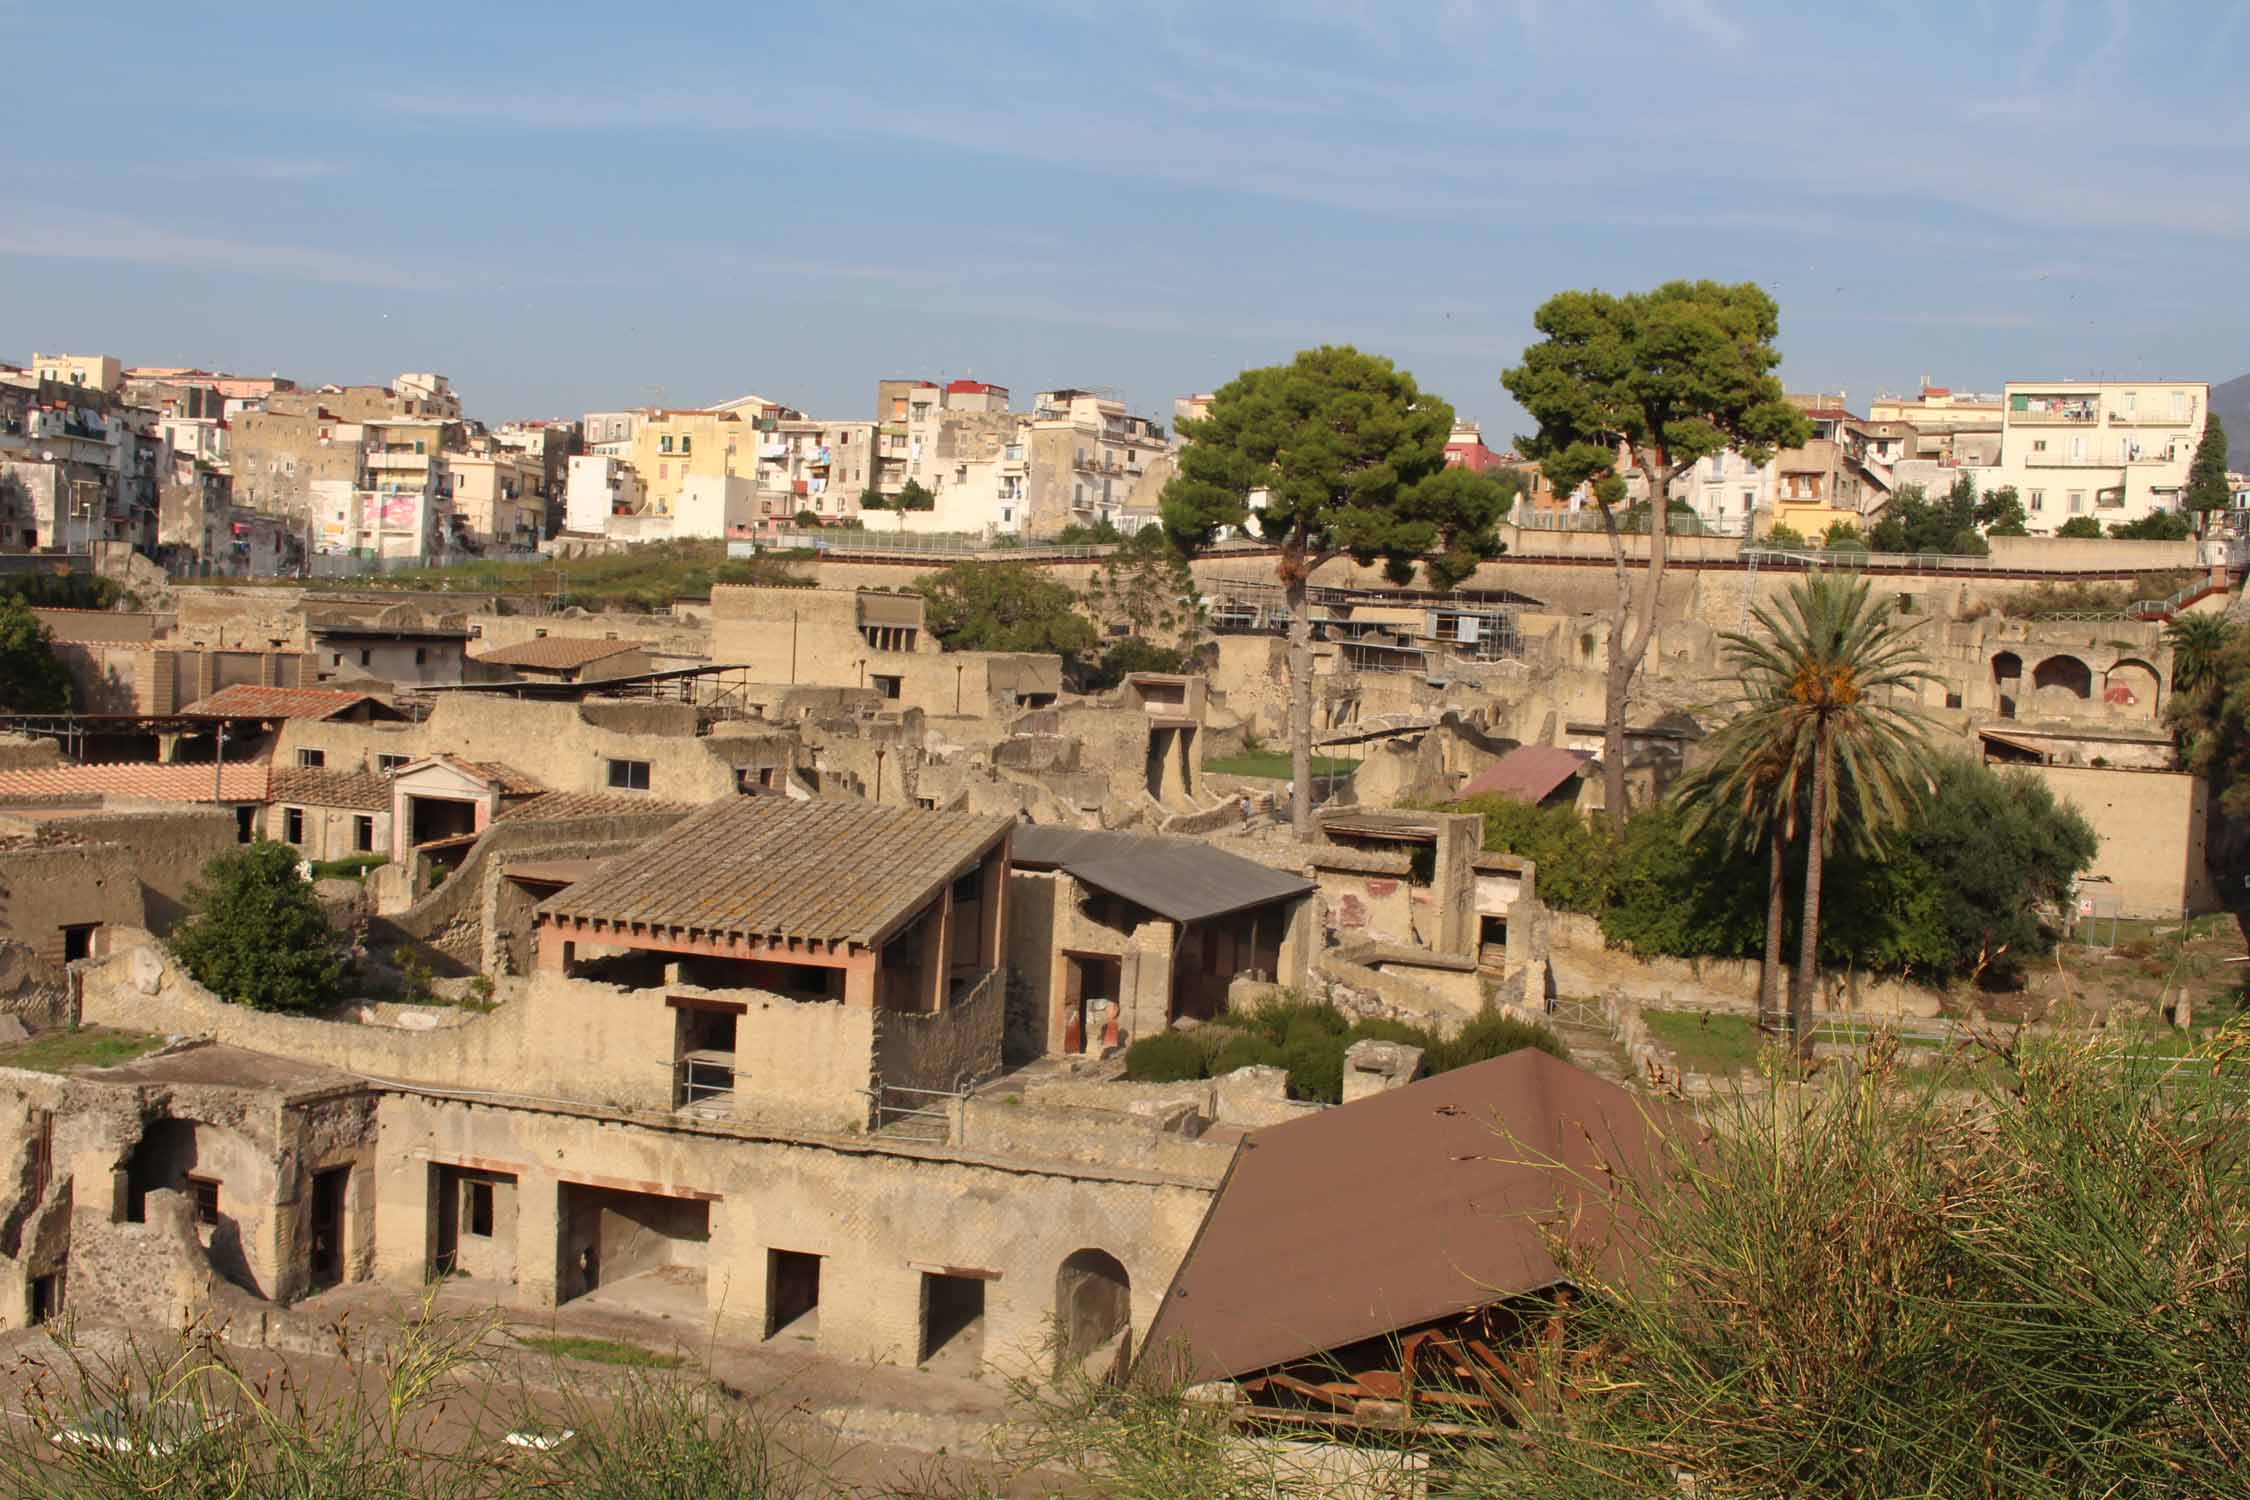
571, 207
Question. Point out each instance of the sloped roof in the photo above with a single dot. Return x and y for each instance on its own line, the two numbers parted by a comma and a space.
553, 805
772, 867
249, 701
1181, 879
363, 791
238, 781
557, 653
1527, 773
511, 781
1412, 1205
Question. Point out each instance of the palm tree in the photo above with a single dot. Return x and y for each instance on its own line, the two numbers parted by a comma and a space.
1739, 791
1822, 702
2197, 641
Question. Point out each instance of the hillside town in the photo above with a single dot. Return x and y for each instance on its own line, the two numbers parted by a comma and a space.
972, 921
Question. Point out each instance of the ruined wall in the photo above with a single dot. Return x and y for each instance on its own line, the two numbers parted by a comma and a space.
2152, 826
666, 635
44, 890
946, 1049
877, 1214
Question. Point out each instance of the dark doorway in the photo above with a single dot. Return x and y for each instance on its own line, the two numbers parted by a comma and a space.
2007, 681
47, 1296
792, 1294
1492, 940
328, 1193
78, 941
1093, 1303
952, 1318
1087, 977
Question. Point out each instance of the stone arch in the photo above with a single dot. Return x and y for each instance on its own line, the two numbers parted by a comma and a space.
1093, 1303
2066, 672
2007, 681
2134, 685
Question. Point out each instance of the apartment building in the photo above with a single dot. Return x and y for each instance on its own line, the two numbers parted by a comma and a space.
669, 444
93, 372
817, 465
77, 466
2113, 450
224, 386
1090, 459
599, 486
500, 495
609, 433
279, 456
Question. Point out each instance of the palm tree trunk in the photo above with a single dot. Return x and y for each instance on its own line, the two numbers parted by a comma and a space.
1769, 978
1808, 943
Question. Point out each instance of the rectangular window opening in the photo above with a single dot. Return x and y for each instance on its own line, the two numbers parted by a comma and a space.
205, 1192
312, 760
477, 1210
792, 1294
629, 775
293, 825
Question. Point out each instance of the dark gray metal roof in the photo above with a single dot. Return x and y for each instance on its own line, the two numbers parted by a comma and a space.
1180, 879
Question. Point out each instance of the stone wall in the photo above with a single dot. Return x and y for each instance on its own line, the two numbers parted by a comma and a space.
944, 1050
1583, 964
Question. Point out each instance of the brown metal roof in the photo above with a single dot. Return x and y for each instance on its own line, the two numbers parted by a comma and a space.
1528, 773
1182, 879
1413, 1205
558, 652
771, 867
363, 791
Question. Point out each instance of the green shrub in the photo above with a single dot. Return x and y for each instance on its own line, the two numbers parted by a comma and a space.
1167, 1057
1493, 1035
1240, 1051
1315, 1061
1384, 1029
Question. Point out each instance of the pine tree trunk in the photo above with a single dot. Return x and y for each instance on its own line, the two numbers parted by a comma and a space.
1769, 977
1808, 943
1300, 703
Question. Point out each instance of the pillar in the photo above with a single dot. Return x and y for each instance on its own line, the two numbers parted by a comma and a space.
937, 933
992, 893
860, 972
538, 1238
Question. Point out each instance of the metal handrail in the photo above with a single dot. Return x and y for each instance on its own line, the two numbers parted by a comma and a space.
701, 1078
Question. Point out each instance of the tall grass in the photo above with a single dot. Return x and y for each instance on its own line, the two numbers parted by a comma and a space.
1878, 1288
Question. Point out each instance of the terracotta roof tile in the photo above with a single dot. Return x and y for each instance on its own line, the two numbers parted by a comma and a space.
512, 782
768, 866
363, 791
558, 652
239, 781
589, 805
247, 700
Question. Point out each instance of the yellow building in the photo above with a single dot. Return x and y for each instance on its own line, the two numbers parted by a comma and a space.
669, 445
96, 372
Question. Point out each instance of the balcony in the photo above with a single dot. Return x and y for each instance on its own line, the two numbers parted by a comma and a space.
2062, 416
396, 458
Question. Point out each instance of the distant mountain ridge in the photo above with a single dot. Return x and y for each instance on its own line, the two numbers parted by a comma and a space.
2230, 403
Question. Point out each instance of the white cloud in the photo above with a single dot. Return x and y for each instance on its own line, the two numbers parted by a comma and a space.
63, 235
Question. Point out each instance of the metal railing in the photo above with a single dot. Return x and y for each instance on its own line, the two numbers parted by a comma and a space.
923, 1114
698, 1079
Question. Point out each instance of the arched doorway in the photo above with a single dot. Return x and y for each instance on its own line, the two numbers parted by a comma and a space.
2066, 672
2007, 681
2132, 686
1093, 1303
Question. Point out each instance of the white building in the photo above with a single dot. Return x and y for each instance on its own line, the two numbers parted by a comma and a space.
2114, 450
715, 505
599, 486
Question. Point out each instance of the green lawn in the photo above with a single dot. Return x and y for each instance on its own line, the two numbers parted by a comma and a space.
85, 1047
1723, 1042
1275, 764
599, 1351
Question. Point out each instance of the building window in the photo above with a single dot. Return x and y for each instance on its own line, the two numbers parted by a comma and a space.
629, 775
2038, 445
2077, 501
363, 834
664, 445
312, 760
385, 764
887, 686
205, 1192
293, 824
2179, 406
366, 658
2038, 500
687, 445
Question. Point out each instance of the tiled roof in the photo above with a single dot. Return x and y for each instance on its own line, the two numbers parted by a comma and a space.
558, 652
239, 781
247, 700
768, 866
511, 781
550, 805
363, 791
